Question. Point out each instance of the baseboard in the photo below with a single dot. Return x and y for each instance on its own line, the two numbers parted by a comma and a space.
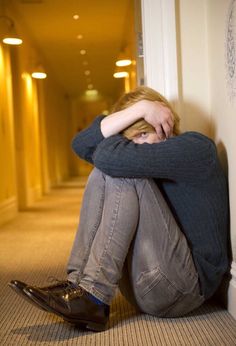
8, 210
232, 291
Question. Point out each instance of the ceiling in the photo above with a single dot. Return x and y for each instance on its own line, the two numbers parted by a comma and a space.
103, 24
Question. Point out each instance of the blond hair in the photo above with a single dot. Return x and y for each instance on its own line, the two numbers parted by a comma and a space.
138, 94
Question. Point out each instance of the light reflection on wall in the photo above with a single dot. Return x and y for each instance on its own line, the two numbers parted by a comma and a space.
7, 176
1, 61
28, 84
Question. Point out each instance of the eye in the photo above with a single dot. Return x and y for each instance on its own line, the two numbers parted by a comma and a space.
143, 134
141, 137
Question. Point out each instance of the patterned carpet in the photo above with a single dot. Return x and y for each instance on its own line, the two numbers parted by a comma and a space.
36, 245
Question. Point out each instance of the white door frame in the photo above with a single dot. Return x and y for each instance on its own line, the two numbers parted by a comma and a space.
159, 44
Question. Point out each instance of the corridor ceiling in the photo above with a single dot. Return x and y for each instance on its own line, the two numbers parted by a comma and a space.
52, 29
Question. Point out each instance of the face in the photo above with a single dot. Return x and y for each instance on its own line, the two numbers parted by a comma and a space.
146, 137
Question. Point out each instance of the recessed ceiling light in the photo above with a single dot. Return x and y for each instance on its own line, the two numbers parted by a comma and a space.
93, 92
120, 74
87, 72
124, 62
83, 52
75, 16
79, 36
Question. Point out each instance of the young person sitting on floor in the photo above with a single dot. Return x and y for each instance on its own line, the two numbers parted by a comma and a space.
154, 218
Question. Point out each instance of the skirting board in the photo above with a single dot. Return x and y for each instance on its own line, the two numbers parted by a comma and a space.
232, 291
8, 210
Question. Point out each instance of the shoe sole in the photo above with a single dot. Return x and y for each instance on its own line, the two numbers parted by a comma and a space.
23, 295
89, 325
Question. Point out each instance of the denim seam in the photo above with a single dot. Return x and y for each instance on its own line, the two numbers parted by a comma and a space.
141, 192
155, 282
114, 219
164, 219
92, 234
166, 226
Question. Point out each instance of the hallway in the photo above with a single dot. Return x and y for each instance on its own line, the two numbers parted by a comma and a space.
36, 244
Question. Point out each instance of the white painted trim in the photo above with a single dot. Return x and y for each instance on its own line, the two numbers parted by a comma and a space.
159, 43
8, 210
232, 291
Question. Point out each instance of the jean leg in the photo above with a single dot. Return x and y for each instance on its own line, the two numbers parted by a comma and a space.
112, 240
160, 268
162, 275
90, 218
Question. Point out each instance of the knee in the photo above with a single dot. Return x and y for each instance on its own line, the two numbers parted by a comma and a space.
98, 178
137, 183
134, 182
95, 175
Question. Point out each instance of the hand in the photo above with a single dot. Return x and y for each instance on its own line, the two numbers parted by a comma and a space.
159, 116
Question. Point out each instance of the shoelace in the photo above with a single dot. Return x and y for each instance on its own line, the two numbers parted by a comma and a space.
55, 282
72, 291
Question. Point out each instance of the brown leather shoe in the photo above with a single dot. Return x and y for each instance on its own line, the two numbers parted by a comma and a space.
19, 286
73, 304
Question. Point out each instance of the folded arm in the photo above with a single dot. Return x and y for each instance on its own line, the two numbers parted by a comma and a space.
154, 112
85, 142
180, 158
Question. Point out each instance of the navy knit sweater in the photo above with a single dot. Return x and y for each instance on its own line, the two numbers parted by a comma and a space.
187, 171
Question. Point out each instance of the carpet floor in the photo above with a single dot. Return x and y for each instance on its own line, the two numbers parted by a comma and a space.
35, 246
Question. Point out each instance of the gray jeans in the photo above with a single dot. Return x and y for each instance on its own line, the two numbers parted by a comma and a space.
127, 236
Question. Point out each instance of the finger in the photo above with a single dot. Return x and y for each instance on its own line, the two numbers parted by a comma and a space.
170, 120
160, 132
167, 129
171, 125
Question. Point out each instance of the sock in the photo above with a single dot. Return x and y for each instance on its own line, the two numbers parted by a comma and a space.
95, 299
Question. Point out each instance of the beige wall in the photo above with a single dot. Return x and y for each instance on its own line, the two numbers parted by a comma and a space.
204, 101
192, 52
222, 108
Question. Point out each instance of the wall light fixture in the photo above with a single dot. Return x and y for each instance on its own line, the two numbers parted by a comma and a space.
9, 35
39, 72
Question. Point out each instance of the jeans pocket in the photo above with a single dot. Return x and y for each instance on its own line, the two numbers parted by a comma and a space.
155, 293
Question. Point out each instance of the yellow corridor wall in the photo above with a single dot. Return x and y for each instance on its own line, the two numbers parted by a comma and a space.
8, 203
34, 131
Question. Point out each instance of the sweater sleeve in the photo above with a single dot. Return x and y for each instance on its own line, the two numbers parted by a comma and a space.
179, 158
85, 142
